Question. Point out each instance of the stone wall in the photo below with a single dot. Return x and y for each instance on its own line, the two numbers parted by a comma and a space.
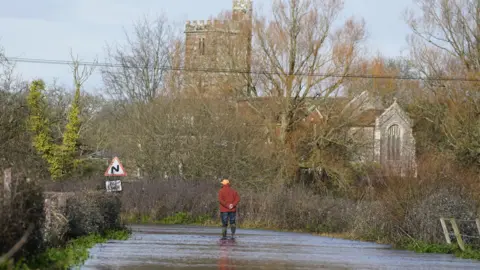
364, 140
56, 216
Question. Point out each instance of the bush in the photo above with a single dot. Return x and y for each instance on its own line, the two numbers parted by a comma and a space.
93, 212
86, 218
162, 199
25, 207
83, 214
110, 208
299, 208
373, 221
177, 201
423, 220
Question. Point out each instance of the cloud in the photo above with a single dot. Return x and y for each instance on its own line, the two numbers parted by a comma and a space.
39, 38
50, 28
106, 12
48, 10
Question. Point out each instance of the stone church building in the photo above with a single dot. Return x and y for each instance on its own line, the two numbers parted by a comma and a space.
382, 135
218, 63
387, 133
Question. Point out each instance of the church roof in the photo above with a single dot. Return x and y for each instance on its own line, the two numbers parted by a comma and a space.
367, 118
270, 107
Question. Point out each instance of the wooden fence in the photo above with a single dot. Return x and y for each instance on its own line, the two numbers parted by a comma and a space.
457, 232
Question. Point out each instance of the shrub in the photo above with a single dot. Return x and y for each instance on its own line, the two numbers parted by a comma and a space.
110, 208
300, 208
93, 212
24, 207
166, 198
177, 201
373, 221
423, 220
83, 214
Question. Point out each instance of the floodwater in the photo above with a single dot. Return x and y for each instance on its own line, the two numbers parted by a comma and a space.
200, 248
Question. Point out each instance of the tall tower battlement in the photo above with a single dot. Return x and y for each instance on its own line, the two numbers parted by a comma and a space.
219, 45
211, 25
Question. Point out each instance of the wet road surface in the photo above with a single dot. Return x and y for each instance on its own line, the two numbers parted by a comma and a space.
199, 248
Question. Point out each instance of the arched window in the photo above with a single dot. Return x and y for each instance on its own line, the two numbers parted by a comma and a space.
393, 142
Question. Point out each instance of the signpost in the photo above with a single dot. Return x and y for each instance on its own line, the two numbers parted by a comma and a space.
113, 186
115, 169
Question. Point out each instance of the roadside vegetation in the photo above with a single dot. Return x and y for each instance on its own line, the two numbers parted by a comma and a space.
177, 142
56, 237
72, 255
40, 229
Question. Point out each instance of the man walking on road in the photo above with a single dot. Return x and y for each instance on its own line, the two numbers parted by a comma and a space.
229, 200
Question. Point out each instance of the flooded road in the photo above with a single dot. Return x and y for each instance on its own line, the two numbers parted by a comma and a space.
199, 248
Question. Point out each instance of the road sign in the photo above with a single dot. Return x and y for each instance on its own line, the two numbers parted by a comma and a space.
115, 168
113, 186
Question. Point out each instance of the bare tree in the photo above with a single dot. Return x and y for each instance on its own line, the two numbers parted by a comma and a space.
89, 105
8, 80
445, 40
385, 82
139, 73
293, 58
15, 142
81, 73
302, 56
137, 70
174, 80
446, 43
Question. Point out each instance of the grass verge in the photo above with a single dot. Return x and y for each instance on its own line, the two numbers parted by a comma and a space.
176, 219
74, 254
422, 247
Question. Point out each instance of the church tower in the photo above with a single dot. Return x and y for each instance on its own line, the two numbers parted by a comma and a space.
216, 49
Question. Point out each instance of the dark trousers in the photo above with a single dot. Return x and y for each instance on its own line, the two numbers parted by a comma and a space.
228, 217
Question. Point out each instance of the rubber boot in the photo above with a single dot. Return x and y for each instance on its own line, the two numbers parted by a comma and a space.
224, 232
233, 228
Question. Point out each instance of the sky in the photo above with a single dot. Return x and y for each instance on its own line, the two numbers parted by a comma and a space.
51, 29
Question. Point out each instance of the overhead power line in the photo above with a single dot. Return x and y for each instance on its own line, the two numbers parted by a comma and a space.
216, 70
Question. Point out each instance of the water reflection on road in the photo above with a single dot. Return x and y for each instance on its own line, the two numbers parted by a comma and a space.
190, 247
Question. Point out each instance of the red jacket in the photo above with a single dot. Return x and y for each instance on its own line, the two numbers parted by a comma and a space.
226, 196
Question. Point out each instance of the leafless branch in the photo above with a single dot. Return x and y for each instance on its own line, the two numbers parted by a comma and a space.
4, 258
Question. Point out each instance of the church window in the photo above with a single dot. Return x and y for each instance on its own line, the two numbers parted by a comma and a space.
393, 142
201, 46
